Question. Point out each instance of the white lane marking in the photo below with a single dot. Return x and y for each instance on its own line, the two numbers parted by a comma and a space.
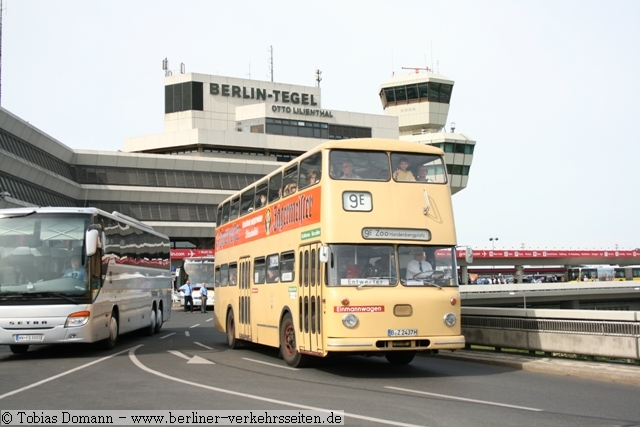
168, 335
484, 402
194, 326
186, 334
271, 364
46, 380
200, 361
195, 359
136, 362
202, 345
177, 353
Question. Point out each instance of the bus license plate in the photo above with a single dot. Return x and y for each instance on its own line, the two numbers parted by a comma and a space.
403, 332
28, 337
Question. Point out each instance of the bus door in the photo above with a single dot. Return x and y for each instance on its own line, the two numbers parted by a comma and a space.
244, 306
310, 300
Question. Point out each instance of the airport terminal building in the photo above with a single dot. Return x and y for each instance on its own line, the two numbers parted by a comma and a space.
220, 135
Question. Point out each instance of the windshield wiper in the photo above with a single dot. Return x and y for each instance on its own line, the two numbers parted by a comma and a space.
423, 282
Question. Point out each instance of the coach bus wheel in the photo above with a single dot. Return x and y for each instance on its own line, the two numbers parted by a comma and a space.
111, 342
231, 331
400, 357
159, 319
152, 322
288, 346
18, 349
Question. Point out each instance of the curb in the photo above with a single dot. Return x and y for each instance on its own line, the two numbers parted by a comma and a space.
602, 371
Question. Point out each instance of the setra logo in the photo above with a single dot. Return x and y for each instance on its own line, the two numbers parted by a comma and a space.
27, 322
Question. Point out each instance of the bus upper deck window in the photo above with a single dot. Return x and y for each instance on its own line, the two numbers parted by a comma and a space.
358, 165
235, 208
246, 201
310, 169
290, 180
275, 187
261, 195
225, 213
409, 167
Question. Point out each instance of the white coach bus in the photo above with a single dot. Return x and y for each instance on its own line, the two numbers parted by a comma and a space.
79, 275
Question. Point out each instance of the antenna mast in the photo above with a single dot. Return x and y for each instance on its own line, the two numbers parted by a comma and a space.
271, 62
318, 76
417, 69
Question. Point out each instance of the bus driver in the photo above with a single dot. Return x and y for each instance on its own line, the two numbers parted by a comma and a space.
418, 264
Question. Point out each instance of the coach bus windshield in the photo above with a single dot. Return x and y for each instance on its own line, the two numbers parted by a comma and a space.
379, 166
199, 270
388, 265
42, 258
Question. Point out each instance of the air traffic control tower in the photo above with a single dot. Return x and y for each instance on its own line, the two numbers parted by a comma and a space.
421, 102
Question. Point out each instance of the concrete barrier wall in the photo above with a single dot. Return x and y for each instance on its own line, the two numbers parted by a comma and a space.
585, 332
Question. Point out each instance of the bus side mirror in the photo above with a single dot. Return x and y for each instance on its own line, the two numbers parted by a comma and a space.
468, 255
323, 254
91, 242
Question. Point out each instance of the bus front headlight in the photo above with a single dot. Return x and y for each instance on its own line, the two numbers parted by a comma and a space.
77, 319
450, 319
350, 320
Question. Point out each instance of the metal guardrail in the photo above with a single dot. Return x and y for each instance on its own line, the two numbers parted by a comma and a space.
612, 334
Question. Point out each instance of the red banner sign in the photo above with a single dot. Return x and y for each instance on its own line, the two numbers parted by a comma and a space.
191, 253
544, 253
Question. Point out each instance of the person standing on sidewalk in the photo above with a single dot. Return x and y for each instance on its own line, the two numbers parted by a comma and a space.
203, 298
188, 298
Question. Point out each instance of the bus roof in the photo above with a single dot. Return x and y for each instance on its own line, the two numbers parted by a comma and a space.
86, 211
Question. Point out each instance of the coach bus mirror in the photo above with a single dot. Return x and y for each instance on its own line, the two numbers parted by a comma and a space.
323, 254
91, 242
468, 255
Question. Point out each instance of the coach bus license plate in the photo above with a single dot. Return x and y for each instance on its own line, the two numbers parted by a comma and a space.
29, 337
403, 332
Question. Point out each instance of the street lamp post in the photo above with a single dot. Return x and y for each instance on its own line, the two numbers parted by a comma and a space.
493, 241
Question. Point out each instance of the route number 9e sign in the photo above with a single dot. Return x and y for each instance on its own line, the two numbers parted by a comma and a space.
357, 201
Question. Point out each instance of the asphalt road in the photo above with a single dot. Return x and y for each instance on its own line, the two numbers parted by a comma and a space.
188, 366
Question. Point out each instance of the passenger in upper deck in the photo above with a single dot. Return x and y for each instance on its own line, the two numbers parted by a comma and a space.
290, 188
333, 173
402, 173
347, 170
384, 175
313, 178
422, 174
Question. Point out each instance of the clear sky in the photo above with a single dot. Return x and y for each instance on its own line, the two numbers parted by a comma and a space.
549, 89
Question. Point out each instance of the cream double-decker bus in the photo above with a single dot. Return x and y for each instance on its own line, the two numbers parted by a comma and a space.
351, 248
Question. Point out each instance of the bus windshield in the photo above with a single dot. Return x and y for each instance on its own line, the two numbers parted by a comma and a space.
42, 258
386, 265
199, 270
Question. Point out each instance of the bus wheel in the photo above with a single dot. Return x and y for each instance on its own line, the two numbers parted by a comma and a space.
111, 342
18, 349
232, 342
152, 322
400, 357
288, 347
159, 320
